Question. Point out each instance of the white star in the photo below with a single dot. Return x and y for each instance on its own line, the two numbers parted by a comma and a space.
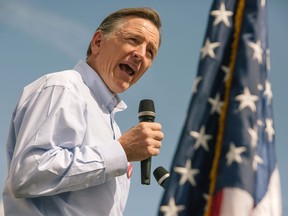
171, 209
234, 154
269, 129
216, 103
259, 87
201, 138
257, 50
268, 91
254, 136
207, 197
247, 100
221, 15
208, 49
195, 84
257, 160
226, 71
260, 122
187, 173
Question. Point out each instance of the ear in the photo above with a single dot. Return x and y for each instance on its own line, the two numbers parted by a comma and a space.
96, 42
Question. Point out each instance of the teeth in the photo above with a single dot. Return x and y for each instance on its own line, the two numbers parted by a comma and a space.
127, 69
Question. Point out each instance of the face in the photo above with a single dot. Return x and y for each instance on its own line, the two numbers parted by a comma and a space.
126, 54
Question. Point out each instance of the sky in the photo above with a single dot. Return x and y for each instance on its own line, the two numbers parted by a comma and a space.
39, 37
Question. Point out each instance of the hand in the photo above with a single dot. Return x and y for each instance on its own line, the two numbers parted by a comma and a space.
142, 141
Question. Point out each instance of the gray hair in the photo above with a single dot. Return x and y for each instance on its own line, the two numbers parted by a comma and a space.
109, 24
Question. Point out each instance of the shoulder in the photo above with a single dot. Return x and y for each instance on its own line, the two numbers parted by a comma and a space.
70, 80
67, 78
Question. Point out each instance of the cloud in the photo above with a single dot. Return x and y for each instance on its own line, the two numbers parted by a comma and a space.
64, 34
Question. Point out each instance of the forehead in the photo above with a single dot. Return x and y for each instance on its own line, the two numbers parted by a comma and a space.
141, 27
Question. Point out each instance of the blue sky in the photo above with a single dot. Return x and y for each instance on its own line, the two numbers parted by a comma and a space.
38, 37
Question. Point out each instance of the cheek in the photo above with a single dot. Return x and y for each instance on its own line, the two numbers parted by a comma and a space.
145, 68
138, 76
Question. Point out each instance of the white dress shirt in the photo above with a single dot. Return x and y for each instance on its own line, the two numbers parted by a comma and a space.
62, 149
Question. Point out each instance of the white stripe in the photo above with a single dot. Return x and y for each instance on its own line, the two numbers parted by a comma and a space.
238, 202
271, 204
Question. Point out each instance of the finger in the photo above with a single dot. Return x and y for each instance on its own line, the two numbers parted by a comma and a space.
158, 135
156, 126
152, 125
156, 144
153, 151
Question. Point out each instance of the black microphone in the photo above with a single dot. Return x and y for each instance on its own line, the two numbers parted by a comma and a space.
162, 176
146, 113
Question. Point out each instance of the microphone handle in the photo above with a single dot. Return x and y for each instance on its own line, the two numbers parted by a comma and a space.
146, 164
145, 171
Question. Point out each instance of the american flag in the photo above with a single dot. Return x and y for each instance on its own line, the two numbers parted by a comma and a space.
225, 162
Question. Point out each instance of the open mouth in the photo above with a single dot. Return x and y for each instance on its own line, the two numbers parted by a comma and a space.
129, 70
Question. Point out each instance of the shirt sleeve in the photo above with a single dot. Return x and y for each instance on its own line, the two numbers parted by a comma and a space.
50, 155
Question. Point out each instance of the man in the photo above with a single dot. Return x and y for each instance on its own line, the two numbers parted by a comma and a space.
66, 154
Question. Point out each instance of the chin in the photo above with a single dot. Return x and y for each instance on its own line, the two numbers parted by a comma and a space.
122, 90
119, 89
119, 86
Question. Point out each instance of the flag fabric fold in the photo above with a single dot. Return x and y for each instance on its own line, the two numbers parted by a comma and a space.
225, 162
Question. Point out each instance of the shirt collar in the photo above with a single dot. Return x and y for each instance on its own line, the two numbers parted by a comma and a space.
106, 99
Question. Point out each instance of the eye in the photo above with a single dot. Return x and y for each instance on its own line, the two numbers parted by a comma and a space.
150, 54
133, 40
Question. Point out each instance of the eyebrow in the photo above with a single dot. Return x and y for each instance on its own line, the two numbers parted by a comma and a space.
151, 45
127, 34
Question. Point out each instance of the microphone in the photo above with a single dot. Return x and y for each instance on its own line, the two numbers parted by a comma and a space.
162, 176
146, 113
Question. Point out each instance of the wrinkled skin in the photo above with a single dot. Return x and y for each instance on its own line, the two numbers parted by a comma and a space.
120, 59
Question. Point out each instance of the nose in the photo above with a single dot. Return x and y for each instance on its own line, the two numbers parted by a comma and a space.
139, 53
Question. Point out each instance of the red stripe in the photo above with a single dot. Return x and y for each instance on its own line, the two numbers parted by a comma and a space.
216, 204
129, 170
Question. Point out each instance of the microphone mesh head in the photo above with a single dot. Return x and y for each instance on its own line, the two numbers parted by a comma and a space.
159, 172
146, 105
